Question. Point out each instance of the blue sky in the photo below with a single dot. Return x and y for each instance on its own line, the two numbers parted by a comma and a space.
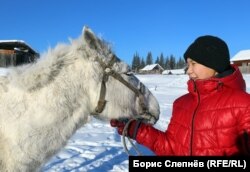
159, 26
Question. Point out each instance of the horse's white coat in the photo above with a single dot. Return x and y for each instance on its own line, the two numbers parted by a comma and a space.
43, 104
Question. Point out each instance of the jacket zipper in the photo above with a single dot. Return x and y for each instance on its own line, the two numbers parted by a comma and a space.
195, 111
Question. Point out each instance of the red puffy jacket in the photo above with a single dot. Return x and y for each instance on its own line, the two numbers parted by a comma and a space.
213, 119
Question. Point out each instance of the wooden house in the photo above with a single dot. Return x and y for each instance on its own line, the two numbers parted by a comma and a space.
151, 69
16, 52
242, 60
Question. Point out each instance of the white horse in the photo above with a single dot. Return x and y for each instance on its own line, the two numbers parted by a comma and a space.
43, 104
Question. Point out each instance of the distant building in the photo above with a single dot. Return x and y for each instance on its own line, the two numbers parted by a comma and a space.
151, 69
16, 52
242, 60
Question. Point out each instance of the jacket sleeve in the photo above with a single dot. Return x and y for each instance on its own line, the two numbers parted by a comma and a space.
244, 137
157, 141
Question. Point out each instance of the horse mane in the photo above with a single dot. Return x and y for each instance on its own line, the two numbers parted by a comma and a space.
34, 76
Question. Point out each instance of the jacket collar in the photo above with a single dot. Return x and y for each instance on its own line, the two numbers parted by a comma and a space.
233, 81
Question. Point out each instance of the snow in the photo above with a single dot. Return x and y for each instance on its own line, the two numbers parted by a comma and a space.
174, 72
241, 55
97, 147
21, 41
4, 71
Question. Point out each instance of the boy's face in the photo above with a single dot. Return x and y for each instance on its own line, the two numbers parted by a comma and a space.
198, 71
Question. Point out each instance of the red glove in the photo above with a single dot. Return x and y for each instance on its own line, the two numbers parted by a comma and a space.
132, 128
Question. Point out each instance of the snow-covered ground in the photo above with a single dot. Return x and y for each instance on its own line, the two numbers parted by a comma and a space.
97, 147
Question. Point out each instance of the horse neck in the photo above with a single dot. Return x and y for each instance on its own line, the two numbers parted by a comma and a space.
61, 79
74, 84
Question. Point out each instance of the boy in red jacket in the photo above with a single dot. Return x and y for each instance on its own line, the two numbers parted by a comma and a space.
213, 118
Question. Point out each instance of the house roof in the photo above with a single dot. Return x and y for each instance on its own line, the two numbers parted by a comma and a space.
16, 44
151, 67
241, 55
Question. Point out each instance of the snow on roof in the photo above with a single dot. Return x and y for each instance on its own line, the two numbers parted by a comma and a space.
11, 43
241, 55
151, 67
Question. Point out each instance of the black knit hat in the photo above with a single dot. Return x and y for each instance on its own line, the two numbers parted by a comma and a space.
209, 51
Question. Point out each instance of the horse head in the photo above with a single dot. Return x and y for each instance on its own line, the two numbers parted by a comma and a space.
119, 93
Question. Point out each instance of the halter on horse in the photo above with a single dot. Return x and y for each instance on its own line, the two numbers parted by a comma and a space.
145, 115
108, 71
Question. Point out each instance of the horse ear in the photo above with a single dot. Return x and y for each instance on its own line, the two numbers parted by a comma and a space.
91, 40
